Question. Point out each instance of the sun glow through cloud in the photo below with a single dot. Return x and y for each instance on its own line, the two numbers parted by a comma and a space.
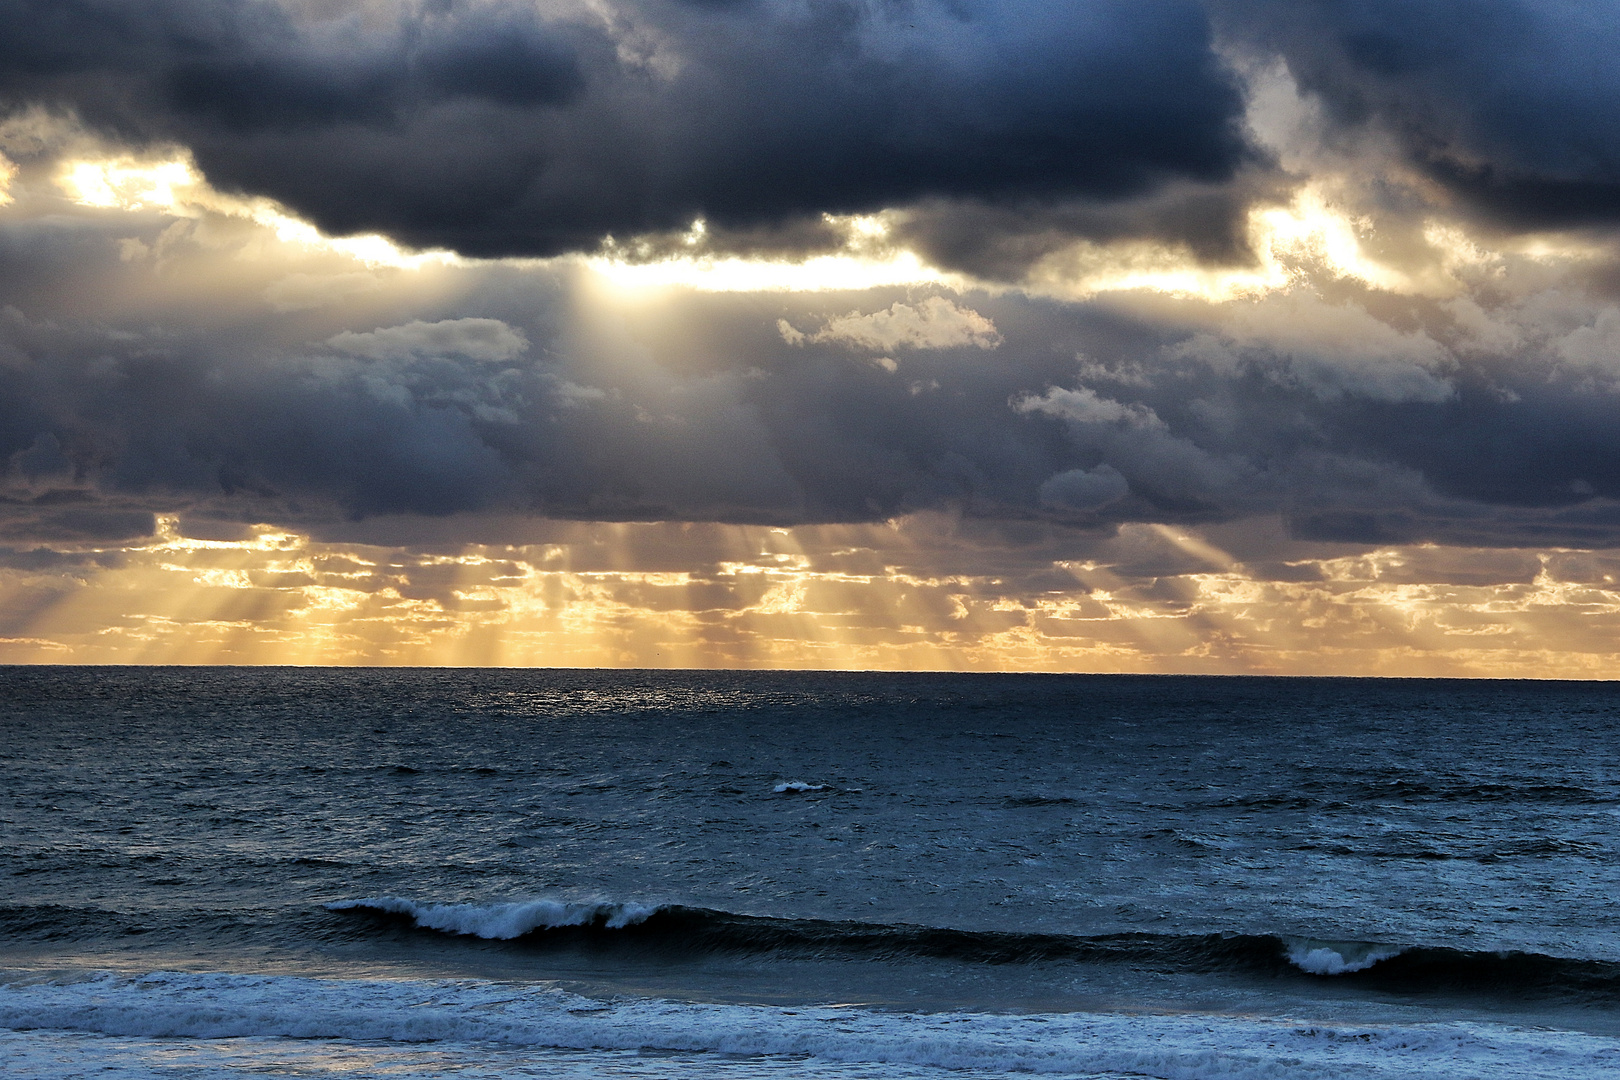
1290, 243
737, 274
174, 186
1307, 238
823, 597
868, 260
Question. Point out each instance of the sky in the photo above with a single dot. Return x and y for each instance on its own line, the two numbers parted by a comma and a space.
1234, 336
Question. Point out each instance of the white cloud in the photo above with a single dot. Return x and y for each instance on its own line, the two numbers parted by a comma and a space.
936, 323
571, 395
1595, 347
1083, 406
473, 339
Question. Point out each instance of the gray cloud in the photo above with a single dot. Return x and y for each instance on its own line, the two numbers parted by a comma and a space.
1513, 105
1083, 489
77, 524
471, 339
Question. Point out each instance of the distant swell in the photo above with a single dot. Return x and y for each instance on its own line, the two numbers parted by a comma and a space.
639, 930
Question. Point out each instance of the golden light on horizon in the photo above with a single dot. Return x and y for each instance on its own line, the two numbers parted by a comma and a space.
578, 600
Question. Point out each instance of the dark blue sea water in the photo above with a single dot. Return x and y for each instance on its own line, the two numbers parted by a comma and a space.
374, 873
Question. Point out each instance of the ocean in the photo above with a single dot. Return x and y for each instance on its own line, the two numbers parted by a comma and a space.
212, 872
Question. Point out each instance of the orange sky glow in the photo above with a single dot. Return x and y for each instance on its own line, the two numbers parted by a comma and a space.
882, 596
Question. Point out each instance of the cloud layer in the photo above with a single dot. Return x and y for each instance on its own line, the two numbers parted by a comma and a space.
1317, 281
152, 361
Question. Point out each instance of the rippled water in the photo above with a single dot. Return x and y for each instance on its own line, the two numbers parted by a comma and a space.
685, 867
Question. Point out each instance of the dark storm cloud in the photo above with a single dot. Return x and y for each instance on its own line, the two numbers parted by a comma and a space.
1512, 104
1001, 241
489, 129
247, 66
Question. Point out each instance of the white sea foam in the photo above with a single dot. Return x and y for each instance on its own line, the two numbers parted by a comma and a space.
502, 922
470, 1019
72, 1055
797, 786
1338, 957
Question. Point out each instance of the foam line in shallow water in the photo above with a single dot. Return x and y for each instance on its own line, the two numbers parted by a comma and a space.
64, 1055
445, 1014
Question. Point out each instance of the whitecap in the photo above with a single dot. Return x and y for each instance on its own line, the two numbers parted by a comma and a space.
1338, 957
503, 922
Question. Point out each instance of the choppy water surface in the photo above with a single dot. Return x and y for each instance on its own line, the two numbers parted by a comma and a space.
581, 873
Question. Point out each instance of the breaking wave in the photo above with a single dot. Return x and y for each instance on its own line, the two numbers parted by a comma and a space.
502, 922
1338, 957
797, 787
672, 929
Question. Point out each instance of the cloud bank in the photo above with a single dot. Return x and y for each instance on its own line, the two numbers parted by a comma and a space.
500, 128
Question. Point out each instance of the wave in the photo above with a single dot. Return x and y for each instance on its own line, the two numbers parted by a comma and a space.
673, 929
465, 1020
629, 933
60, 923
